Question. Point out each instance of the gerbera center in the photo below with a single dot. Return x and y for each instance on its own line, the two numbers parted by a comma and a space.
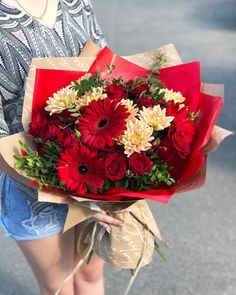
103, 123
83, 169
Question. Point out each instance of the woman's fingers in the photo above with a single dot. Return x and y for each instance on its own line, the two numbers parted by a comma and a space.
106, 226
102, 217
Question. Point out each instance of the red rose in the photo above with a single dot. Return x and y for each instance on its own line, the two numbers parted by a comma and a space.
168, 153
115, 166
182, 130
67, 117
139, 89
116, 92
182, 133
65, 137
166, 149
43, 125
140, 164
146, 102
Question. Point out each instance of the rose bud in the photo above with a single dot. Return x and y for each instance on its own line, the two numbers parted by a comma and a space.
163, 149
150, 152
163, 101
155, 144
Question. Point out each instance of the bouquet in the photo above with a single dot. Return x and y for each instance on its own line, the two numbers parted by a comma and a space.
100, 133
118, 136
117, 133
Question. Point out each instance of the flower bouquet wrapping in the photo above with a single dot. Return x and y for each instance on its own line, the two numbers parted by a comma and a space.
105, 133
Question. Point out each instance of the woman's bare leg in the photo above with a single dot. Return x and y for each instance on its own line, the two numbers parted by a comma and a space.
89, 279
51, 259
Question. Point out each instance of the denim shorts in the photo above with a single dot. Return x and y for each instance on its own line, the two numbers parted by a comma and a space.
23, 217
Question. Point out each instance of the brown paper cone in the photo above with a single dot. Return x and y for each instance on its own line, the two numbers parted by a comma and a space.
126, 245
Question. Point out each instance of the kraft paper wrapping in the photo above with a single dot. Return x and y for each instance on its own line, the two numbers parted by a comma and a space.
132, 243
127, 244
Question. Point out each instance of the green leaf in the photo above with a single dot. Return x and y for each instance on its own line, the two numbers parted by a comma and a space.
126, 182
18, 156
75, 114
22, 145
146, 187
38, 140
154, 80
77, 133
44, 170
72, 110
119, 184
90, 188
20, 164
30, 162
153, 178
161, 95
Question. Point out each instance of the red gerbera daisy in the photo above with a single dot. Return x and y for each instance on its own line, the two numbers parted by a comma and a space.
79, 167
101, 122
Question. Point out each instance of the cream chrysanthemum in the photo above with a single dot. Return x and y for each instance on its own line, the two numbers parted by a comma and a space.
172, 95
137, 137
131, 108
155, 117
94, 94
61, 100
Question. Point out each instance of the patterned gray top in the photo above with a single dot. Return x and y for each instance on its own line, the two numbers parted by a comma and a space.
23, 38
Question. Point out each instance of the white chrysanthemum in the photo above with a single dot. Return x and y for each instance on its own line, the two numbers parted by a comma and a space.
136, 137
61, 100
94, 94
172, 95
131, 108
84, 77
155, 117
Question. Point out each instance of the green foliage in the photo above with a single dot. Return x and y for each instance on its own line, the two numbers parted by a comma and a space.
106, 186
160, 173
86, 85
118, 80
42, 168
110, 68
160, 62
194, 116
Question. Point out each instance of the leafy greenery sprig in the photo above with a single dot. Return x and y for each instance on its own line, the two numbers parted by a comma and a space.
41, 168
86, 85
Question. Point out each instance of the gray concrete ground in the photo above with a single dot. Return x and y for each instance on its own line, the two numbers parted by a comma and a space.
201, 224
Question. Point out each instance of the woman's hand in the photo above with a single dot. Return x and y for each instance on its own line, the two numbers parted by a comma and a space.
105, 220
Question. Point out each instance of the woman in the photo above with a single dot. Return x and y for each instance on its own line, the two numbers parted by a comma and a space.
28, 29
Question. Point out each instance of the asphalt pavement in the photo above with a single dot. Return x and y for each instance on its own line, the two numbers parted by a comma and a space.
200, 225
